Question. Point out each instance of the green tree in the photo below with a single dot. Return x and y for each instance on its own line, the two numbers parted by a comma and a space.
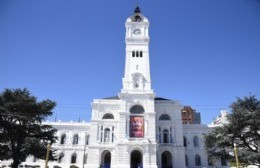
22, 133
243, 128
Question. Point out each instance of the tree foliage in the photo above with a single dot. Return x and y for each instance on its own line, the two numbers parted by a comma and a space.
22, 133
243, 128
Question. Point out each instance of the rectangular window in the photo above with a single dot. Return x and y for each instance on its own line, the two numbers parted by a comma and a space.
133, 54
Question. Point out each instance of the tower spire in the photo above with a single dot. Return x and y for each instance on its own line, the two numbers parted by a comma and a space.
137, 10
137, 67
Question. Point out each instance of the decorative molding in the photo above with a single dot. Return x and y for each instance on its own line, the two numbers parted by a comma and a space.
105, 107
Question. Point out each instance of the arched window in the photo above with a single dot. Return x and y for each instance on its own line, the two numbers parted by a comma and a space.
75, 139
210, 163
61, 156
108, 116
63, 139
223, 162
137, 109
186, 160
137, 54
133, 54
107, 135
196, 141
184, 141
141, 54
73, 158
165, 136
197, 160
164, 117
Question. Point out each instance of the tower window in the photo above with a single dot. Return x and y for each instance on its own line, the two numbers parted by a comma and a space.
137, 54
141, 54
133, 54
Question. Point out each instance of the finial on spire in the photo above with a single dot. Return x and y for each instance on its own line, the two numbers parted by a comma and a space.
137, 10
137, 17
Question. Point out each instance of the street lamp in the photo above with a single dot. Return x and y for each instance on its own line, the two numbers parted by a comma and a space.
236, 154
84, 157
47, 154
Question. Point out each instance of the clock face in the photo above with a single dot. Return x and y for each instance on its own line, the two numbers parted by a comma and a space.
137, 31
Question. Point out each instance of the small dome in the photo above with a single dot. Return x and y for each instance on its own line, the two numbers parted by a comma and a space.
137, 10
137, 17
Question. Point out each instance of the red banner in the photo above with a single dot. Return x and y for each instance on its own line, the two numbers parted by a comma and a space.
136, 127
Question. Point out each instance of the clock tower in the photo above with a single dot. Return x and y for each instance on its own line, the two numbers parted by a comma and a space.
137, 67
137, 123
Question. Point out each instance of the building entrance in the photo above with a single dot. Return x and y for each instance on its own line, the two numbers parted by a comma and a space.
166, 159
136, 159
106, 159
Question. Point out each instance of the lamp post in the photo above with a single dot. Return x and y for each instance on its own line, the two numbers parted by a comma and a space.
47, 155
236, 154
84, 157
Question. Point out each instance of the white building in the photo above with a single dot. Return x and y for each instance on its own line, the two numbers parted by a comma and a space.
134, 129
220, 120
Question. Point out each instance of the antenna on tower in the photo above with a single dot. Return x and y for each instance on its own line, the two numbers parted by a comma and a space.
137, 2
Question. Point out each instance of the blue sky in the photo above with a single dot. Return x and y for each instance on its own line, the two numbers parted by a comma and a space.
204, 53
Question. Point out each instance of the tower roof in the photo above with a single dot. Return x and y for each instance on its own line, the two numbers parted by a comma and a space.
137, 16
117, 98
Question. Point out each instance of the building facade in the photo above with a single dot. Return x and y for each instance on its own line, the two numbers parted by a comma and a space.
190, 115
221, 119
197, 118
135, 129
